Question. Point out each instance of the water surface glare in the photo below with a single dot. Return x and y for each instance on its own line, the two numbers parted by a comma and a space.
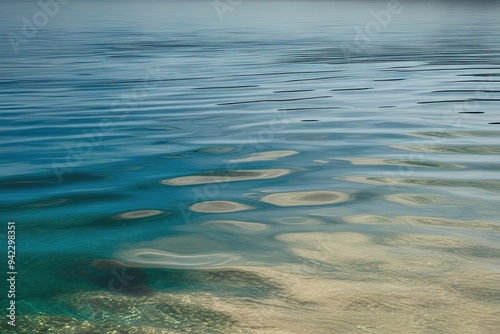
251, 167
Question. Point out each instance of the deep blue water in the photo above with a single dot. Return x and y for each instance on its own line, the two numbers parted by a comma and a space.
348, 154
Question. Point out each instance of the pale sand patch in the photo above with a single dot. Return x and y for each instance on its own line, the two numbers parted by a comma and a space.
371, 161
419, 220
308, 304
264, 156
370, 219
299, 221
219, 207
450, 285
331, 248
351, 252
425, 240
235, 226
300, 198
139, 214
226, 176
416, 199
493, 185
366, 161
472, 224
477, 280
470, 149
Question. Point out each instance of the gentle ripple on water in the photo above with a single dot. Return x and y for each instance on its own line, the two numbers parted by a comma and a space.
173, 173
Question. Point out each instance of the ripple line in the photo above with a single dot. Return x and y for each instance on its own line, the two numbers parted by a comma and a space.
459, 101
308, 108
348, 89
227, 87
294, 91
465, 91
274, 100
312, 79
389, 79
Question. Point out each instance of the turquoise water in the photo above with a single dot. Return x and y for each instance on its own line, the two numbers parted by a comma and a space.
305, 167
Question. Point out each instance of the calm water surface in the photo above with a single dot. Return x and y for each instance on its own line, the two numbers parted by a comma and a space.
294, 168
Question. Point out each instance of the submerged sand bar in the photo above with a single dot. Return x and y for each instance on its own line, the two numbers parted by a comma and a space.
235, 226
264, 156
139, 214
219, 207
226, 176
299, 198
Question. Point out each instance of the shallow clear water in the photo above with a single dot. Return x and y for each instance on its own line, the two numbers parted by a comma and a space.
291, 168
